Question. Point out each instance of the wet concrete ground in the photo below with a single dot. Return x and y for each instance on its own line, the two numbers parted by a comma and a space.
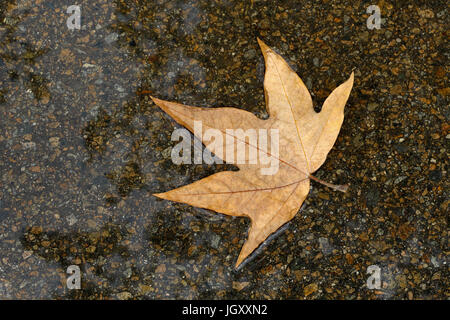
83, 148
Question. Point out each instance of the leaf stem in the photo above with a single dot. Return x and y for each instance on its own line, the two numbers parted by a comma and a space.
337, 187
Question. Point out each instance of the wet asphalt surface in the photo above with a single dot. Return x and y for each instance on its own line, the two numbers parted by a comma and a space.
83, 148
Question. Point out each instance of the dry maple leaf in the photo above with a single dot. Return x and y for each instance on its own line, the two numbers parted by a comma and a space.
305, 138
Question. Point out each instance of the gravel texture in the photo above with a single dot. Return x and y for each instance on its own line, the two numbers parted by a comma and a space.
83, 148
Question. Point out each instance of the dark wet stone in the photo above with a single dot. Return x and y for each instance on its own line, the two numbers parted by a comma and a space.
325, 246
435, 175
3, 214
100, 180
372, 197
402, 148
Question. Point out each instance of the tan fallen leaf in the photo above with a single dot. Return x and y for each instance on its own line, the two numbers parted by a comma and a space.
305, 138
